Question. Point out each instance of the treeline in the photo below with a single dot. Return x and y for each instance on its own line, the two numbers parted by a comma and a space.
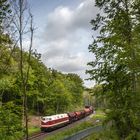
48, 90
26, 84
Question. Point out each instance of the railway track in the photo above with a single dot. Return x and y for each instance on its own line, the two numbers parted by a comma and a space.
43, 135
37, 136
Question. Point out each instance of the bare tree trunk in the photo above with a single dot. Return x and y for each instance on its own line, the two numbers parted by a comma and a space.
24, 77
21, 53
27, 77
23, 86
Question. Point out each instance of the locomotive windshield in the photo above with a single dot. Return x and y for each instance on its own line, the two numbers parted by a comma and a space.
46, 119
42, 118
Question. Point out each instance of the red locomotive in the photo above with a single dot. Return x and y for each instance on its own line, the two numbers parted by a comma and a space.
51, 122
54, 121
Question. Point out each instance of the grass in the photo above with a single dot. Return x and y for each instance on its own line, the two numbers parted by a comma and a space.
33, 130
108, 133
103, 135
69, 131
99, 117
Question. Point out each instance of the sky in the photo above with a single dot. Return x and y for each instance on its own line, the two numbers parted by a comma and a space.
64, 33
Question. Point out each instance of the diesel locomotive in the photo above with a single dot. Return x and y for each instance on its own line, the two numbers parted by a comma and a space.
55, 121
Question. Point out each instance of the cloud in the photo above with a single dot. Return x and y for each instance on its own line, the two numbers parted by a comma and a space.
58, 23
69, 63
56, 48
83, 14
63, 20
67, 36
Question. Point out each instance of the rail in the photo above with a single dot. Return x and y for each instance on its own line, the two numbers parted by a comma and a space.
84, 133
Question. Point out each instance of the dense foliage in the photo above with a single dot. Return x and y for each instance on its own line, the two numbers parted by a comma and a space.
48, 91
117, 62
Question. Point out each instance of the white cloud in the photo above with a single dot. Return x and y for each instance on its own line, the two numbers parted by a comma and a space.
67, 36
68, 63
63, 21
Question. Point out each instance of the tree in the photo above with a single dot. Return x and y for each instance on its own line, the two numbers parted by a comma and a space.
21, 24
4, 13
97, 93
8, 109
116, 64
76, 89
10, 121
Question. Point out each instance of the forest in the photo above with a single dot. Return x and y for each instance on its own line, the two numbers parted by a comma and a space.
27, 86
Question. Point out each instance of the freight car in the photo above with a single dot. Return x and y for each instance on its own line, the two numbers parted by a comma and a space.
55, 121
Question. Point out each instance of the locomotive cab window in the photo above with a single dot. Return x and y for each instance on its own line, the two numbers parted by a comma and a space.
49, 119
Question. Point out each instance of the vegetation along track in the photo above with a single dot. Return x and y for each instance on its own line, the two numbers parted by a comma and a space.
43, 135
37, 136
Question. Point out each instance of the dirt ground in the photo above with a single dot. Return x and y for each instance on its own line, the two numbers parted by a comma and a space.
34, 121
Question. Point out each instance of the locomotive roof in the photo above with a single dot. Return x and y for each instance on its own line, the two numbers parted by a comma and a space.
54, 117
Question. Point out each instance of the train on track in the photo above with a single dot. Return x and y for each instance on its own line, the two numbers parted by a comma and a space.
49, 123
